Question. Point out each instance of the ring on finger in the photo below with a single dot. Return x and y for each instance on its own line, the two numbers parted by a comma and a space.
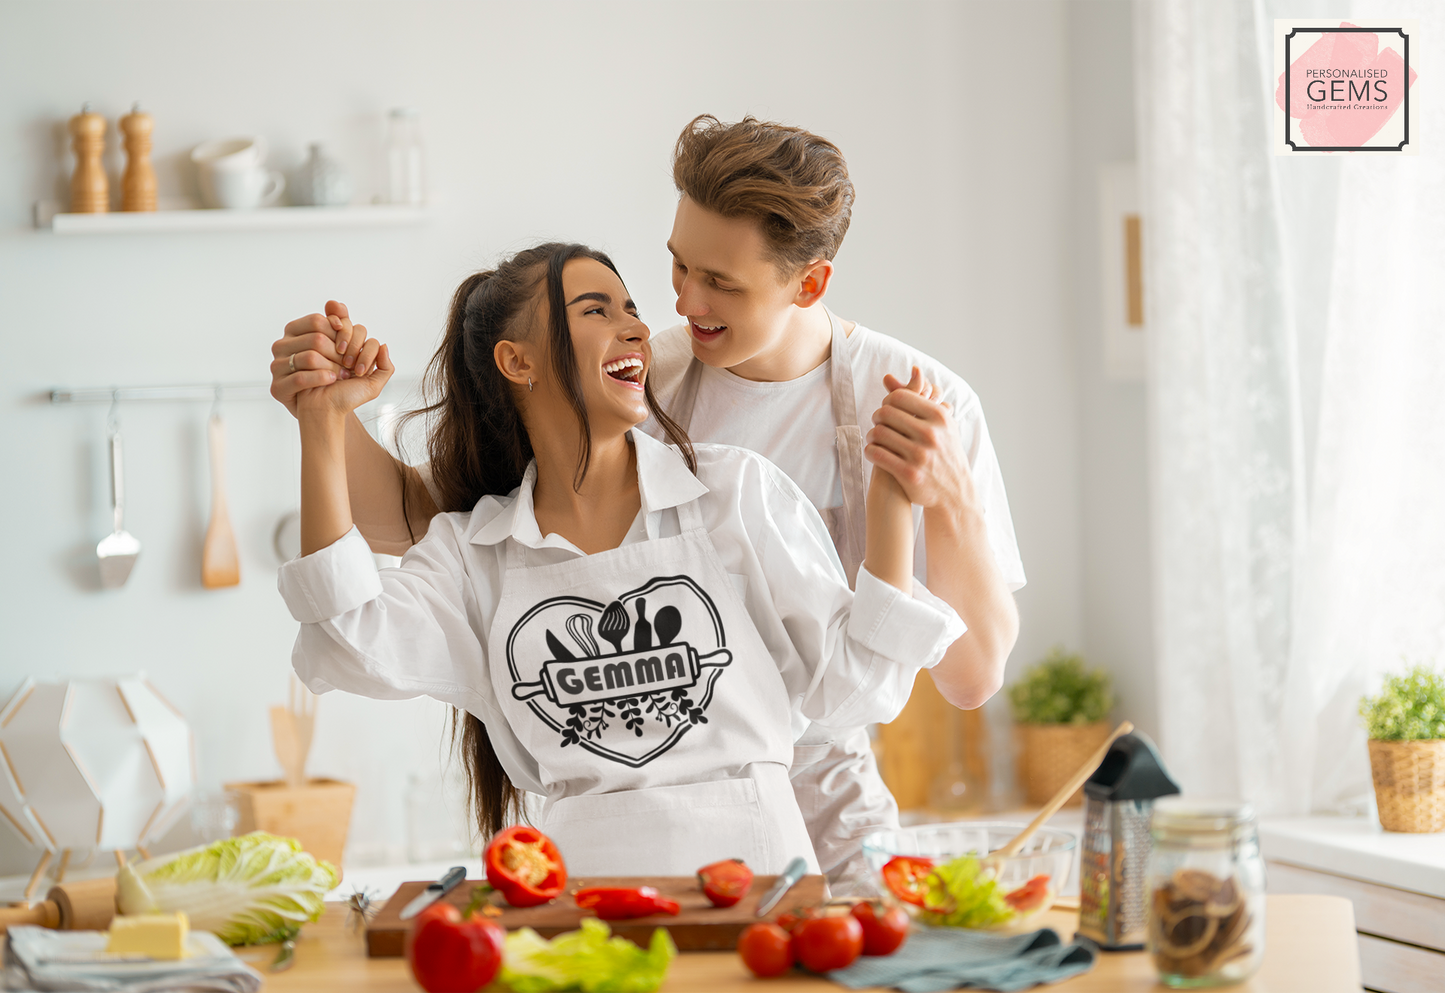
292, 364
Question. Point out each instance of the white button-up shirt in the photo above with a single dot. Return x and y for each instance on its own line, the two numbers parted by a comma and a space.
846, 658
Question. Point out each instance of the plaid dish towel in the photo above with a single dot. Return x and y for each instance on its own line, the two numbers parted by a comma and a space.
934, 959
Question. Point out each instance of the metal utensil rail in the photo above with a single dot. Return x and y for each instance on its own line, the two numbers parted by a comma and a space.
187, 392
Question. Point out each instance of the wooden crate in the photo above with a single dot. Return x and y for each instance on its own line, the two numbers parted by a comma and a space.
317, 814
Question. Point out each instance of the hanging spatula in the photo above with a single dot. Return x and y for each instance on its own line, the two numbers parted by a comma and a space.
117, 551
220, 565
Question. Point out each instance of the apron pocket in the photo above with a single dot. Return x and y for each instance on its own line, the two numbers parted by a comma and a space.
663, 831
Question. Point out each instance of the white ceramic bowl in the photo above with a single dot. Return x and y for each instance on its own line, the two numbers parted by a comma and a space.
1049, 852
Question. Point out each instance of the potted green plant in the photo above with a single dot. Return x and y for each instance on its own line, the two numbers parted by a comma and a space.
1406, 724
1061, 711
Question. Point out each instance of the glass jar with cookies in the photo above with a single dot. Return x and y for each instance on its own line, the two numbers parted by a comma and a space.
1206, 886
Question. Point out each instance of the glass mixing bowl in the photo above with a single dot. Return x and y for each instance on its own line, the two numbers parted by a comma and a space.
964, 887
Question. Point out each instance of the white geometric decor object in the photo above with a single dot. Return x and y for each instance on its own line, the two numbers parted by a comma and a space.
94, 763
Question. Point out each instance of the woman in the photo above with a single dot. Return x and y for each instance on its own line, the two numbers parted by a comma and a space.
637, 632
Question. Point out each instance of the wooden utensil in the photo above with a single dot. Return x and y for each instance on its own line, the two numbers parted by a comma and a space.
86, 905
220, 566
291, 729
1062, 796
698, 926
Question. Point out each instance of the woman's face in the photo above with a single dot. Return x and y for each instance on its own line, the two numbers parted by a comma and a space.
611, 345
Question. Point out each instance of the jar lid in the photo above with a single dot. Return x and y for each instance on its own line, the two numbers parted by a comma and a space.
1202, 817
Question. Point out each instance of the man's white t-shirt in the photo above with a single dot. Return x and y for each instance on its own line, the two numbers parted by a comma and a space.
792, 425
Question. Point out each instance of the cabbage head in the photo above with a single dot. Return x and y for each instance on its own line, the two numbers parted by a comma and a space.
245, 889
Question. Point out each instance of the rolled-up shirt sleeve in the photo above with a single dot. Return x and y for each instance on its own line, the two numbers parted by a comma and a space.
847, 658
390, 634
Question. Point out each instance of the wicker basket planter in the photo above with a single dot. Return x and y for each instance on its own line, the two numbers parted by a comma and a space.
1050, 753
1409, 784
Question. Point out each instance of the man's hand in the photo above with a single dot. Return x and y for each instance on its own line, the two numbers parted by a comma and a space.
315, 350
913, 440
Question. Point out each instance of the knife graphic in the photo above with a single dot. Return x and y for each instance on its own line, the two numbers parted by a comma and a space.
434, 892
786, 881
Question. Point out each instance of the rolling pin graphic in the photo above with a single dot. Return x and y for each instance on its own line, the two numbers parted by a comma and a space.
569, 681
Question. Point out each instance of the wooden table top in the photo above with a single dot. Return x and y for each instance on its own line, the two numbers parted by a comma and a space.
1310, 947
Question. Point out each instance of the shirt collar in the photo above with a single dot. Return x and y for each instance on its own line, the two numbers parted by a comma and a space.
663, 480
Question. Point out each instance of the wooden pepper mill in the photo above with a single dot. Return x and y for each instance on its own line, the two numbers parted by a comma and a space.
89, 188
138, 186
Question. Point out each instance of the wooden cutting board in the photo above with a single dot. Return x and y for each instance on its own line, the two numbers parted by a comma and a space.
698, 926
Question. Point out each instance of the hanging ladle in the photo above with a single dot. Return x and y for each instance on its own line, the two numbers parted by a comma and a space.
117, 551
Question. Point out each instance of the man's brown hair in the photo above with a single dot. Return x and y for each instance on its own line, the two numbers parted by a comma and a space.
794, 183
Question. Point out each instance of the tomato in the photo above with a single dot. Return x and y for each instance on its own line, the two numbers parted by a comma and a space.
1030, 896
823, 944
790, 920
524, 866
725, 883
449, 953
766, 949
906, 876
884, 927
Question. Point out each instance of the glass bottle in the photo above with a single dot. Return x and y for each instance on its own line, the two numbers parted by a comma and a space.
405, 181
1206, 887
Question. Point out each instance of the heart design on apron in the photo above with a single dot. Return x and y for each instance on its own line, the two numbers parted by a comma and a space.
632, 677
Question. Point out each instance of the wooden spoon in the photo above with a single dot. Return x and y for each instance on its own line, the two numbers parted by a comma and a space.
220, 566
1060, 798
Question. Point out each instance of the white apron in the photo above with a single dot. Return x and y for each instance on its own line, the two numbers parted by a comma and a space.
656, 715
834, 775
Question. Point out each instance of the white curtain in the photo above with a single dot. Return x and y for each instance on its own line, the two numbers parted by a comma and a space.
1299, 533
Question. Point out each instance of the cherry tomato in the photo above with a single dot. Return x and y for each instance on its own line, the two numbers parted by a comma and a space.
452, 954
766, 949
823, 944
1030, 896
906, 876
884, 928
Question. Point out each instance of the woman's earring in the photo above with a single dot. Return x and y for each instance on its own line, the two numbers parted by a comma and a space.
529, 384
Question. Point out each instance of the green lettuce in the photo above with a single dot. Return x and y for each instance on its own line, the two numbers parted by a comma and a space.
590, 960
244, 889
962, 893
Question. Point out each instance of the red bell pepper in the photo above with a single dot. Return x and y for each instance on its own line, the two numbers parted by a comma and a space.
725, 883
525, 867
618, 903
906, 876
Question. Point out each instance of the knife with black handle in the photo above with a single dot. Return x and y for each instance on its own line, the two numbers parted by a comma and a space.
434, 892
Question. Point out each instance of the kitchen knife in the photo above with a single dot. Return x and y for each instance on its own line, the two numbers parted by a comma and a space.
434, 892
786, 881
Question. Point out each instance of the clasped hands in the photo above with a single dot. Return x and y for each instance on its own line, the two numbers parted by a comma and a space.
324, 363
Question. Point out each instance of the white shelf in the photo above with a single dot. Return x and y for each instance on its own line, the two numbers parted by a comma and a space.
49, 218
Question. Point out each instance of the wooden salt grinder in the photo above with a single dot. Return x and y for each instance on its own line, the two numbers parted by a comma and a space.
89, 188
138, 187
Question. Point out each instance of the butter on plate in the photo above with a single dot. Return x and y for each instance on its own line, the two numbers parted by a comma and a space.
156, 936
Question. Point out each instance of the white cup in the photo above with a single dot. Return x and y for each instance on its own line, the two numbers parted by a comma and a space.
231, 174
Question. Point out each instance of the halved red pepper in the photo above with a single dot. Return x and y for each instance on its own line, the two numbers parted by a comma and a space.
525, 867
613, 903
725, 883
906, 877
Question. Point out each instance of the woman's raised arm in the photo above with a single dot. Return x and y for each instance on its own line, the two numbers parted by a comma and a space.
311, 349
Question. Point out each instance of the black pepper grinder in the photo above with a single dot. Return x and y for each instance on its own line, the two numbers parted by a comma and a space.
642, 631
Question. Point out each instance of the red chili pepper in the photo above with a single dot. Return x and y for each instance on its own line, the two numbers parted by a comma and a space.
525, 867
725, 883
906, 876
618, 903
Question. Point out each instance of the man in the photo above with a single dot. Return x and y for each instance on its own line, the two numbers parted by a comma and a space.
761, 363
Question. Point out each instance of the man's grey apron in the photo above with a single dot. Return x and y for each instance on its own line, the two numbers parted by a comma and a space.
658, 719
835, 775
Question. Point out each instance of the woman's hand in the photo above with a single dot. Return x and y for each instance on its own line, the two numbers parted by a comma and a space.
914, 441
889, 551
313, 351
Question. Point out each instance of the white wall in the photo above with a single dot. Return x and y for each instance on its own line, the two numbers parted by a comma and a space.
547, 119
1116, 595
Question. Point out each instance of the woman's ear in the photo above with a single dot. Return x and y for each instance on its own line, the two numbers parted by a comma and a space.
516, 361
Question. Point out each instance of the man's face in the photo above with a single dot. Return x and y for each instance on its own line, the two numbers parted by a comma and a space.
737, 304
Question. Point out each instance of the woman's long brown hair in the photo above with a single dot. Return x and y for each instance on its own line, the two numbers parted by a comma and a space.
478, 444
